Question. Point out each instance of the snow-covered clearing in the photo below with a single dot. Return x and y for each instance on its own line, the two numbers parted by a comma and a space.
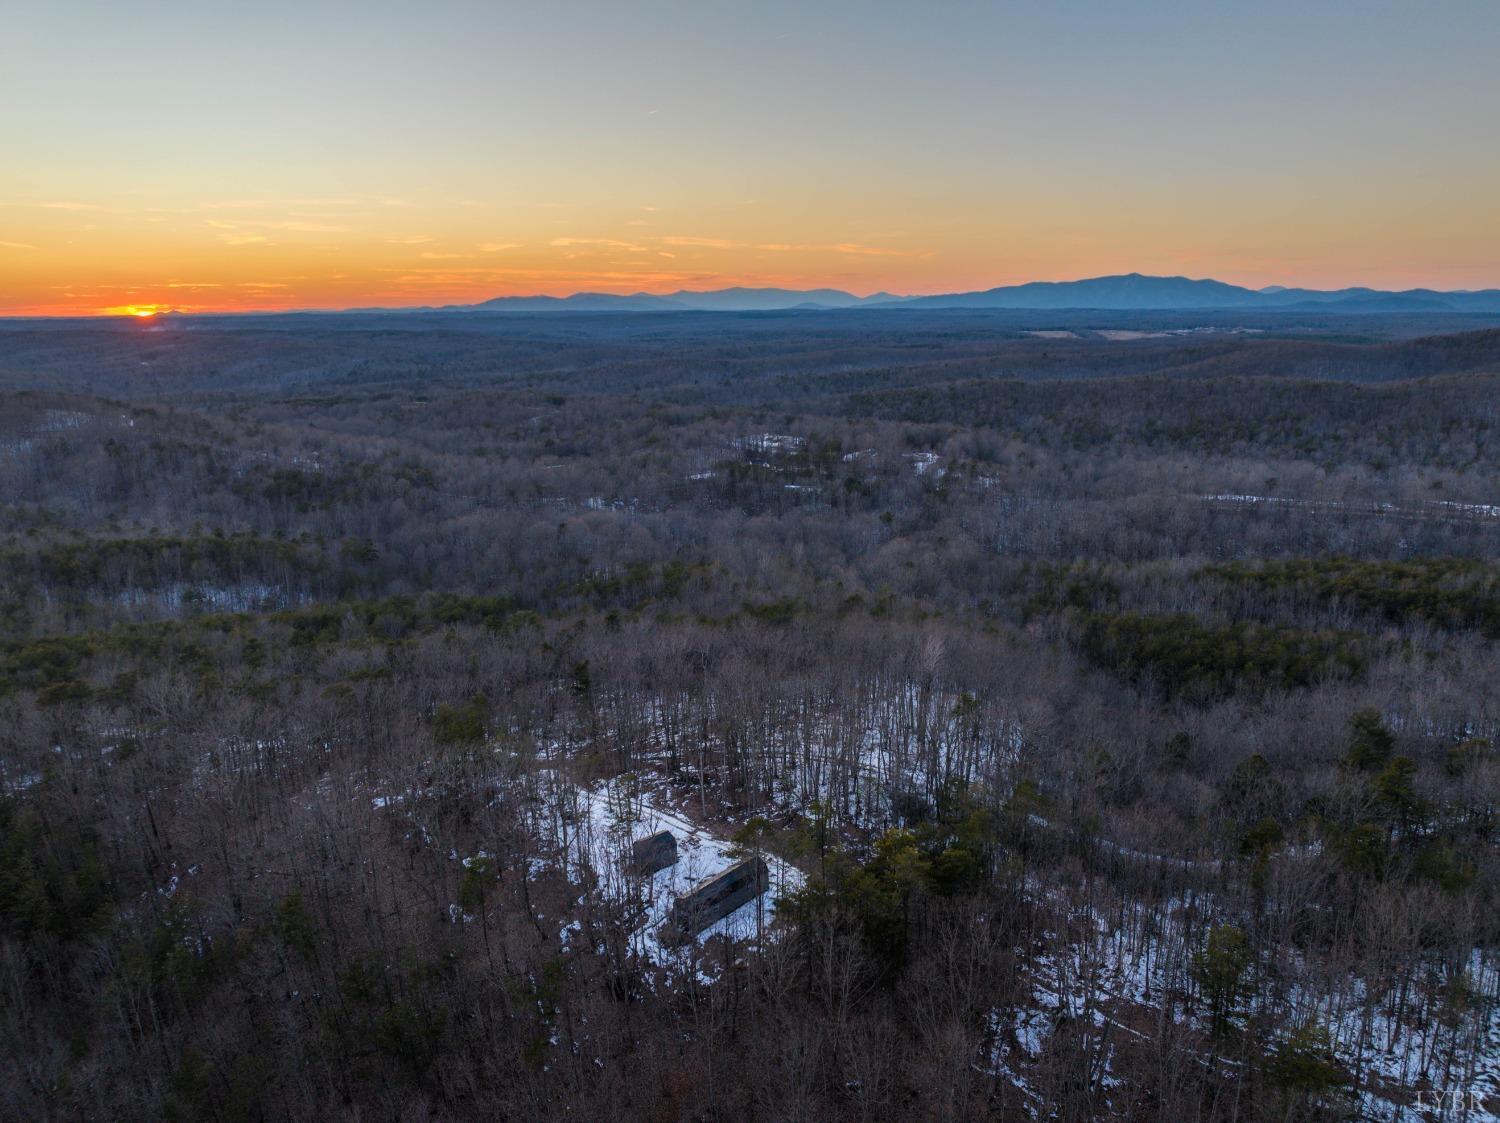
598, 825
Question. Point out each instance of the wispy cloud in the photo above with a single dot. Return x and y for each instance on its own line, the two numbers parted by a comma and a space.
410, 240
444, 256
600, 243
295, 227
16, 246
497, 247
273, 204
305, 227
869, 251
554, 278
705, 243
64, 206
852, 248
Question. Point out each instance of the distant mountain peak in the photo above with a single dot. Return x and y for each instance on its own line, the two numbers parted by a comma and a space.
1118, 292
1140, 292
738, 298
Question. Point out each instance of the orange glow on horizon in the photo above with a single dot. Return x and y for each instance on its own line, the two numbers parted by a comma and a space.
195, 253
139, 311
77, 257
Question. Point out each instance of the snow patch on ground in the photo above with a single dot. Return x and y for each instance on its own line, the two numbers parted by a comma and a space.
1418, 509
767, 443
924, 462
245, 597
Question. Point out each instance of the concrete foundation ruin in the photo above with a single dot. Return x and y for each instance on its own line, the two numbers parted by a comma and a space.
716, 897
652, 853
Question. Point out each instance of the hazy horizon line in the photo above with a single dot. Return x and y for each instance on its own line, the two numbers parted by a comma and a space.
148, 310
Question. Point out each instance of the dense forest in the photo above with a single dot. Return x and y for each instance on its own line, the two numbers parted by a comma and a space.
1111, 698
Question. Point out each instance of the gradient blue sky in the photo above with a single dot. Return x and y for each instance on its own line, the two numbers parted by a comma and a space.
217, 155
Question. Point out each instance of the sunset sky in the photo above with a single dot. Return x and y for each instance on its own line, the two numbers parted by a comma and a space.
328, 153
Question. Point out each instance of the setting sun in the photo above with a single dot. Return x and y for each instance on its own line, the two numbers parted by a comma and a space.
140, 311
